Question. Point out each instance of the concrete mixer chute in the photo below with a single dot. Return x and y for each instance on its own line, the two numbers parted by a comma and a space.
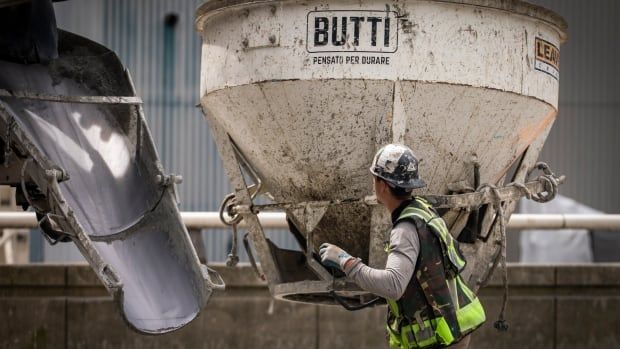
77, 149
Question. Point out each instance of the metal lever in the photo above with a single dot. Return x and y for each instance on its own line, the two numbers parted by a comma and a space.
209, 275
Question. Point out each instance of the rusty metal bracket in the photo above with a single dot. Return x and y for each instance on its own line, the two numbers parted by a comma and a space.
248, 250
53, 229
510, 192
243, 196
307, 217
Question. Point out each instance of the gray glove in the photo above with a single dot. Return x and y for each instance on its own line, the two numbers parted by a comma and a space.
333, 256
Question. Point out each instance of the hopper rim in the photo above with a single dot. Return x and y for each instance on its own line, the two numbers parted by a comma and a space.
519, 7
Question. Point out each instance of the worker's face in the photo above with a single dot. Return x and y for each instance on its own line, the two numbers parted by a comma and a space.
380, 188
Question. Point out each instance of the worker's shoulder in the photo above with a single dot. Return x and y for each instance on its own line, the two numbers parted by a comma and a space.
405, 224
404, 228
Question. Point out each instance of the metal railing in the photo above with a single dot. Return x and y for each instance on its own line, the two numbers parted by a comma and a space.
277, 220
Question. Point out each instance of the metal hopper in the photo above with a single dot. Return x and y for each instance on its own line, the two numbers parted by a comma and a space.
75, 144
300, 95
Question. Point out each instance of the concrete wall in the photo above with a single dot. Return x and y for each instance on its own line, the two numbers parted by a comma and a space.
64, 306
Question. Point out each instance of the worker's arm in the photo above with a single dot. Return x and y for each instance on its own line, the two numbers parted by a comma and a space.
392, 281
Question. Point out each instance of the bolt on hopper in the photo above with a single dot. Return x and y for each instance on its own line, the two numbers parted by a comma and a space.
300, 95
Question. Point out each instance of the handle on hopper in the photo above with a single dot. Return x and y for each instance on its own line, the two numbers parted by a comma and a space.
254, 190
226, 206
350, 307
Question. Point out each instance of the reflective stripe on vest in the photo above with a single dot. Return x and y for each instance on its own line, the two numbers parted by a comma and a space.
438, 226
435, 331
409, 333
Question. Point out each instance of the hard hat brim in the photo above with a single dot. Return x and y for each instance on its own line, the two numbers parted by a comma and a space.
411, 184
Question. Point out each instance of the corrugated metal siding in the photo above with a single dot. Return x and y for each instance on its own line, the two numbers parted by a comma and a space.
584, 144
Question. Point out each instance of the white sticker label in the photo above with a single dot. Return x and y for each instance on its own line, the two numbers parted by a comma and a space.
352, 31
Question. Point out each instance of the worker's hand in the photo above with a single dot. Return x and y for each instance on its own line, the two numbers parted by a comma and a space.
333, 256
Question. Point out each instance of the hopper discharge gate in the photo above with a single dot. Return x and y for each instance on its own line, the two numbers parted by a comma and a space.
300, 95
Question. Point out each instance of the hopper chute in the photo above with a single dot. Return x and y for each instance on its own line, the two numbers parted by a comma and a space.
77, 148
303, 94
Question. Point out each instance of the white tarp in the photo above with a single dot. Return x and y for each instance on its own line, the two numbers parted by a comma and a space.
556, 246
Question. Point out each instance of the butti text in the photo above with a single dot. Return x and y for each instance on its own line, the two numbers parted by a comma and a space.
336, 30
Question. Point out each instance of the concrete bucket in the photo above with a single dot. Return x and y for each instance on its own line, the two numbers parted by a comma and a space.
300, 95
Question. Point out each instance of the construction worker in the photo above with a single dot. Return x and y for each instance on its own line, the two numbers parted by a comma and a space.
429, 305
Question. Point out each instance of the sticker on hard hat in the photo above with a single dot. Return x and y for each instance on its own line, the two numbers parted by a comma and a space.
547, 58
352, 31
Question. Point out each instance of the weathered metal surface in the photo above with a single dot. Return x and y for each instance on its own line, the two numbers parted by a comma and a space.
309, 91
517, 7
71, 99
101, 182
483, 256
233, 170
380, 224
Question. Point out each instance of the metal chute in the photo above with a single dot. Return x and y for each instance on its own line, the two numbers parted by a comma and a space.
77, 147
